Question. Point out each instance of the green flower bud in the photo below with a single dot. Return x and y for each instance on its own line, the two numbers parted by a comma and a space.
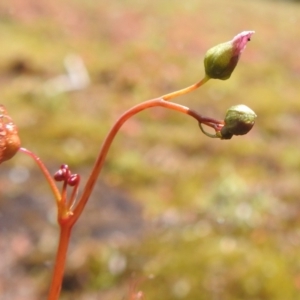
221, 60
239, 120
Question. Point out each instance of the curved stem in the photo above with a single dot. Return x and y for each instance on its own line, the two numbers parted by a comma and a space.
60, 261
111, 135
45, 172
67, 222
207, 133
185, 90
72, 199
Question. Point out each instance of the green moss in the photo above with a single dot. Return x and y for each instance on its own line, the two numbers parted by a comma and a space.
226, 210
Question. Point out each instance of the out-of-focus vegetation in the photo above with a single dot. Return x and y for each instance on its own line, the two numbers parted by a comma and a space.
220, 218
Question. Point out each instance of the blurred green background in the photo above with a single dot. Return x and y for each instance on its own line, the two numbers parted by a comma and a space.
174, 214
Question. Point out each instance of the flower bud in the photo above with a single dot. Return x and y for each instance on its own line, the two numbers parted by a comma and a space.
239, 120
63, 173
73, 180
9, 139
220, 61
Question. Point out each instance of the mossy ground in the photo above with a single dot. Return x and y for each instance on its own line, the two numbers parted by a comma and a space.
222, 217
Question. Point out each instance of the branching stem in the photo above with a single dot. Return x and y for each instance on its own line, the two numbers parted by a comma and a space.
114, 130
66, 217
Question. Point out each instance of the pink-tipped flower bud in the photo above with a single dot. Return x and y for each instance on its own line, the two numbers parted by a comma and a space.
9, 138
239, 120
221, 60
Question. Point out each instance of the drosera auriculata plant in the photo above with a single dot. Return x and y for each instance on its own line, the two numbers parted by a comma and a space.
219, 63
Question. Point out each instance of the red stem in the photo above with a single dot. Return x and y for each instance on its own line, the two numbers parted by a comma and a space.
111, 135
45, 172
66, 218
65, 231
60, 260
